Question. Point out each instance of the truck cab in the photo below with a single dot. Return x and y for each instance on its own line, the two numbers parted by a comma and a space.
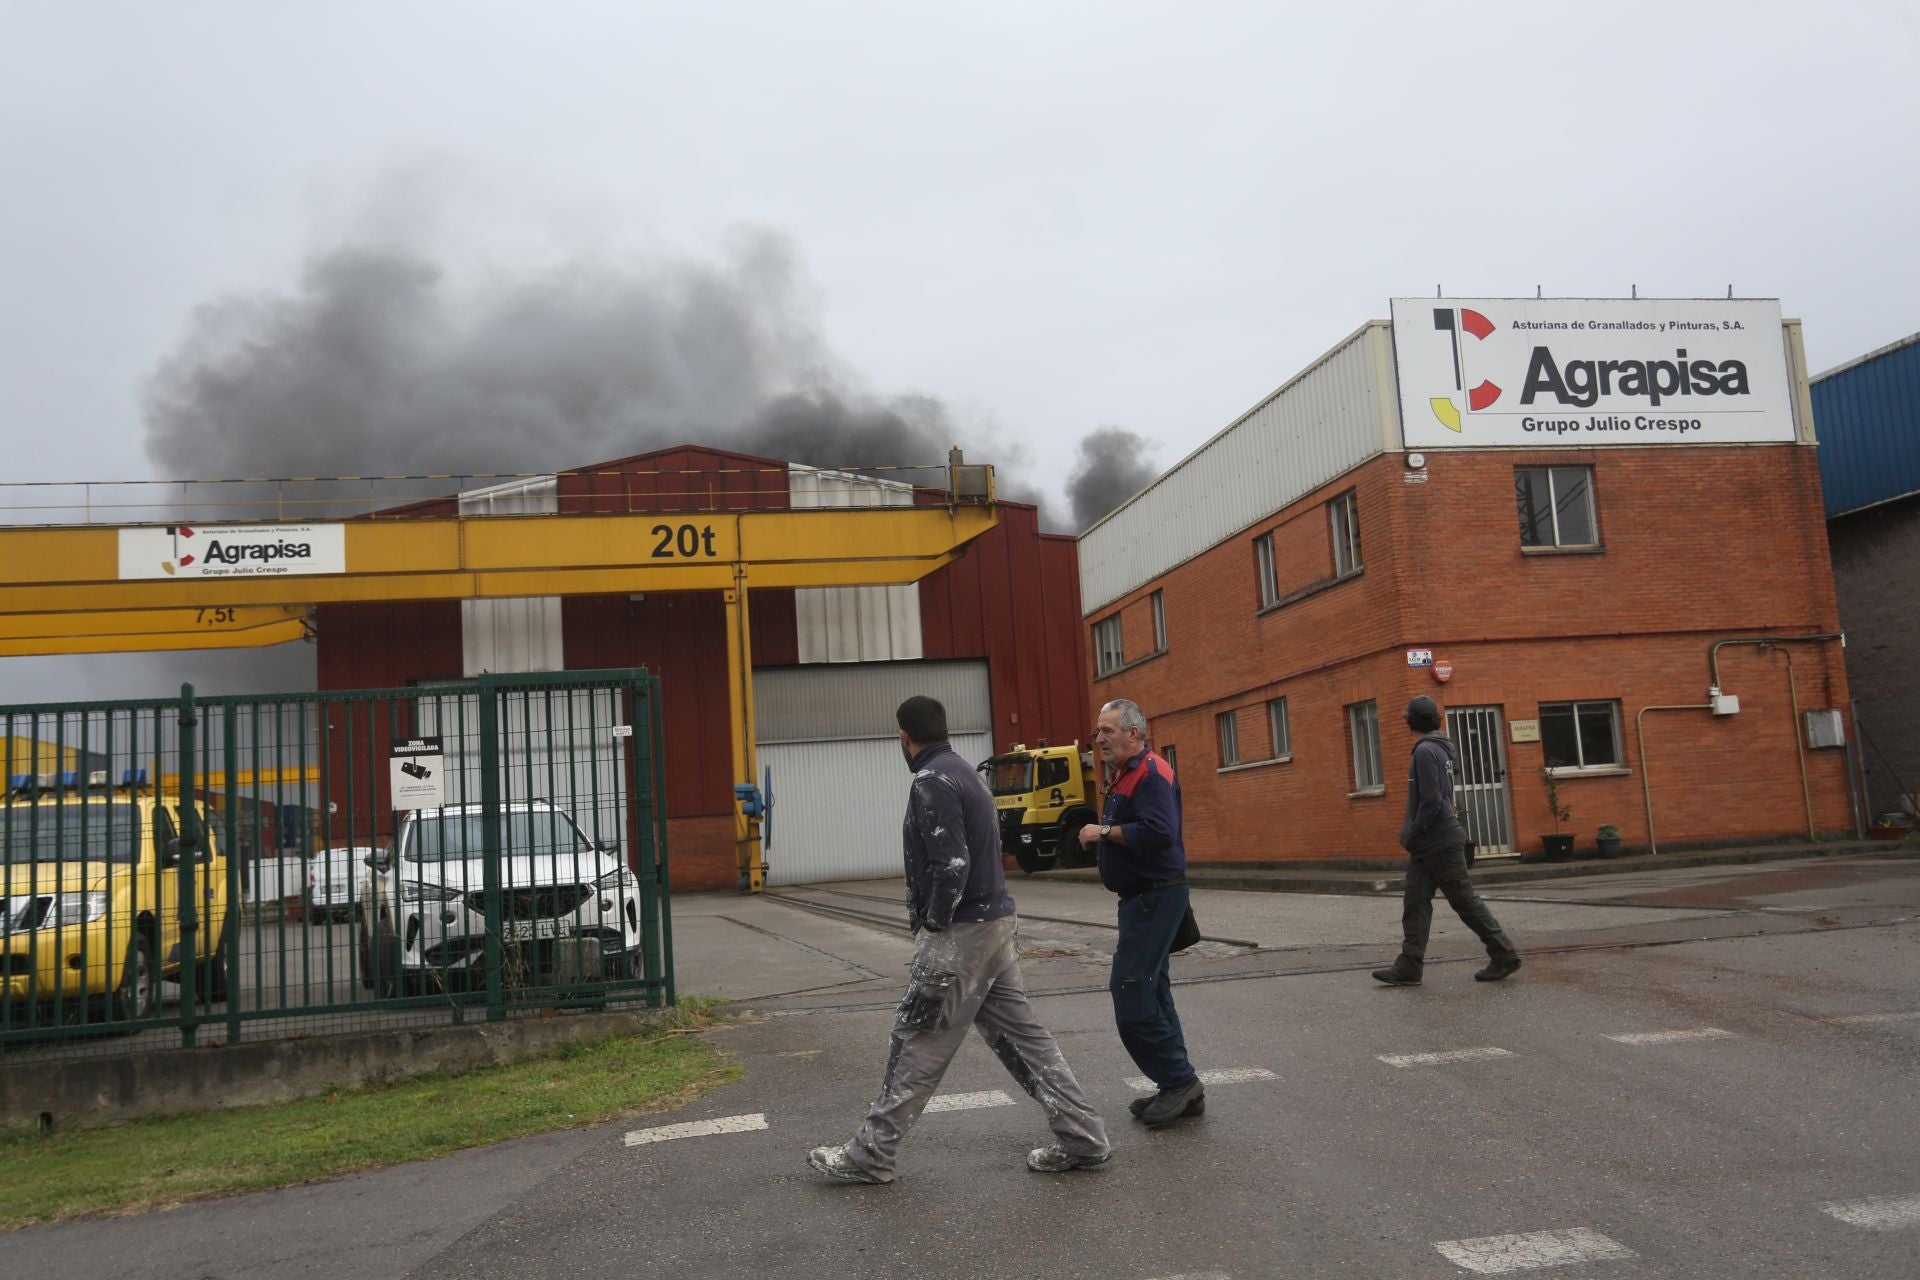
90, 912
1043, 795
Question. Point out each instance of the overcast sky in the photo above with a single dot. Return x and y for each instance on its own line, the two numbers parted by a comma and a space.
1014, 225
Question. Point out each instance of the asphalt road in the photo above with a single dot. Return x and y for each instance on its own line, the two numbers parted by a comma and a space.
1706, 1073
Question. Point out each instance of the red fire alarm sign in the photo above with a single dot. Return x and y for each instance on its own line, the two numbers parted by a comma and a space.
1442, 670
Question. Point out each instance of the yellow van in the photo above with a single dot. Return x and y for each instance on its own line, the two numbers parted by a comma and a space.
90, 902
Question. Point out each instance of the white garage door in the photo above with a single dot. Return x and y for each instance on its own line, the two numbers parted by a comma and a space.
839, 784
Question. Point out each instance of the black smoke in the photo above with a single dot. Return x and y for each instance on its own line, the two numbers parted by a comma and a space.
1113, 466
396, 361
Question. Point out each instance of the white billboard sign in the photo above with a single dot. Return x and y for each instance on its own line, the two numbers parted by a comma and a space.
233, 551
1590, 371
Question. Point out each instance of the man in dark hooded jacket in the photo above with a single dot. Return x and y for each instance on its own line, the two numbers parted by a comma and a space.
1436, 846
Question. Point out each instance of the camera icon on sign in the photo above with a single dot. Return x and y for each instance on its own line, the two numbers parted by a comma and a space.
414, 769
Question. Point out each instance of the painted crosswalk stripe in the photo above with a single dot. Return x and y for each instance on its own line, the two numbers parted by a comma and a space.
1855, 1019
1492, 1255
1668, 1037
1198, 1275
1233, 1075
1449, 1055
968, 1101
698, 1129
1882, 1213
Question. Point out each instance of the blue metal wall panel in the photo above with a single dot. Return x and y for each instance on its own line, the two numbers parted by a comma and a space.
1866, 416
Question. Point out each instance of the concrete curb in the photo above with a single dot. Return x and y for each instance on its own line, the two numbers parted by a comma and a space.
1359, 878
92, 1092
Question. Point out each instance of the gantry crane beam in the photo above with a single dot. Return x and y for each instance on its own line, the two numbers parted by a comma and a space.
79, 570
221, 626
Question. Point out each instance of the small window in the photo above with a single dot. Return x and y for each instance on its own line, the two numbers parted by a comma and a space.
1053, 773
1580, 735
1363, 723
1159, 621
1167, 754
1108, 655
1343, 515
1277, 726
1265, 571
1556, 506
1229, 738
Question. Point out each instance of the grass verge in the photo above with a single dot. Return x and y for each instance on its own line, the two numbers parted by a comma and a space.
155, 1164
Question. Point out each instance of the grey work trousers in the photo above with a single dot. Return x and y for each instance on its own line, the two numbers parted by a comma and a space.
968, 975
1445, 870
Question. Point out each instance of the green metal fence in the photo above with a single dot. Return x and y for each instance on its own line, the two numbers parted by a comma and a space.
201, 870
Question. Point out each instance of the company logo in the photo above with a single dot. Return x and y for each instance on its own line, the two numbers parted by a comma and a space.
1452, 321
179, 561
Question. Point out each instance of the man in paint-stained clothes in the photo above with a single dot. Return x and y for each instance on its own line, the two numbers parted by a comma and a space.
1143, 860
965, 971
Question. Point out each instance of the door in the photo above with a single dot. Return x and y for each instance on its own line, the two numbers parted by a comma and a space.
828, 737
1480, 779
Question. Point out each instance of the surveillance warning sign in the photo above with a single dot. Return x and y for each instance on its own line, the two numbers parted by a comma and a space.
416, 775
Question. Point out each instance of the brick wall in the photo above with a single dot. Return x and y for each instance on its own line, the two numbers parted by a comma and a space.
1874, 553
1697, 544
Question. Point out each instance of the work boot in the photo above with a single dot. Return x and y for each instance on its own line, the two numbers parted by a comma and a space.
836, 1163
1054, 1159
1398, 974
1171, 1104
1497, 968
1140, 1104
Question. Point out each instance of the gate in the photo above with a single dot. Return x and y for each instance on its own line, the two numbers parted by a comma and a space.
1480, 779
219, 869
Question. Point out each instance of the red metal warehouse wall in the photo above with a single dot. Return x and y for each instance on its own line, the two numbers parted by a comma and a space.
1012, 598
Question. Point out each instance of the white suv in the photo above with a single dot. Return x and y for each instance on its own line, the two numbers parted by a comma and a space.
569, 908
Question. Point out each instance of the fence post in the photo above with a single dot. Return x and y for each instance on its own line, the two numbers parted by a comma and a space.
657, 770
230, 715
490, 841
188, 854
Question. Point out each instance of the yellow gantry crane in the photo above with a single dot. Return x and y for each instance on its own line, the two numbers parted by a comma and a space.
99, 589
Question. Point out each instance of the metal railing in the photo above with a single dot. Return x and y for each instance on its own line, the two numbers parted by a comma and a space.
195, 870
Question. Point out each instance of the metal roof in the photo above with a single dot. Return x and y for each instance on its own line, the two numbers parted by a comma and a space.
1867, 414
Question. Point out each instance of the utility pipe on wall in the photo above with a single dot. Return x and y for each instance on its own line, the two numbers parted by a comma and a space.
1646, 769
1764, 643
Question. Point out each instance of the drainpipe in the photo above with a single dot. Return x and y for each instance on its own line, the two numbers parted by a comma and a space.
1763, 643
1646, 769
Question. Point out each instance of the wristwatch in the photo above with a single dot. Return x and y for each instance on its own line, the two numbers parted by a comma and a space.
1106, 829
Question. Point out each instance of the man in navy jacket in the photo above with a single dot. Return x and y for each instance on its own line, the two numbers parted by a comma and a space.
1142, 860
965, 971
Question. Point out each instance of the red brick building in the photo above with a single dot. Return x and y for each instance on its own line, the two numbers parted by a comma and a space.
1275, 599
996, 634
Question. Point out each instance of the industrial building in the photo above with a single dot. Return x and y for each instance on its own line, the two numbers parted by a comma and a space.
1869, 415
995, 634
1591, 529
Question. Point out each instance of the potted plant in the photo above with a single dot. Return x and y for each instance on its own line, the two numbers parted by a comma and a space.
1608, 840
1558, 847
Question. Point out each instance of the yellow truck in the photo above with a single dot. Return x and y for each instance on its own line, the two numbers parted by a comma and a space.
90, 918
1043, 796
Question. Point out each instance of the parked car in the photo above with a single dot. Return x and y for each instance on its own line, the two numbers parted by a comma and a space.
566, 903
90, 901
333, 882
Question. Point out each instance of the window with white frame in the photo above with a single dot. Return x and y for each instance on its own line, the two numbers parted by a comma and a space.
1229, 738
1277, 727
1108, 654
1343, 517
1556, 506
1266, 571
1159, 621
1580, 735
1363, 726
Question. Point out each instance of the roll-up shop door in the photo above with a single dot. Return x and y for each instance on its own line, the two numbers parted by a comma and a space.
828, 735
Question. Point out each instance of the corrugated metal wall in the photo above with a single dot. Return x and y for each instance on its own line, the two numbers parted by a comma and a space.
854, 624
512, 635
829, 737
1336, 414
1867, 414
